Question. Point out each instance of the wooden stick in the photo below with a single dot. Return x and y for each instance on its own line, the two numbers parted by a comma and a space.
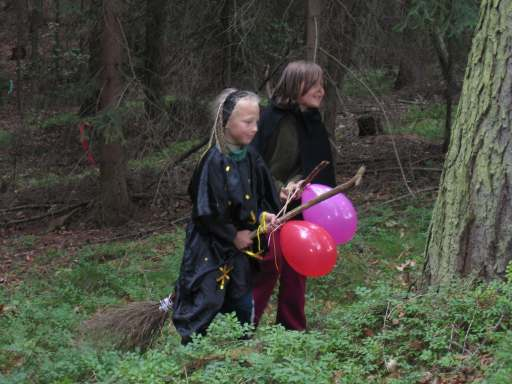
313, 174
354, 181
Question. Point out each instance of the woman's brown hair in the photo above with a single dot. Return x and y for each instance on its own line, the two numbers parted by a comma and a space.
297, 79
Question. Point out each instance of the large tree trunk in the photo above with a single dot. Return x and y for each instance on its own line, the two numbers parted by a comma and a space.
116, 207
471, 229
156, 18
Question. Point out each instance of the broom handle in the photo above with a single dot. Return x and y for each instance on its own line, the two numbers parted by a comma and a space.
309, 178
354, 181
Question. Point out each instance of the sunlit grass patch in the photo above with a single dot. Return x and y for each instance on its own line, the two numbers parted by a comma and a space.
424, 120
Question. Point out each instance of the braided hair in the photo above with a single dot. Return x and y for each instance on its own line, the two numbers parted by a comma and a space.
223, 108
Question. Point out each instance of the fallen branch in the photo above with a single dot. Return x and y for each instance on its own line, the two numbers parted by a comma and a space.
432, 189
22, 207
48, 214
411, 168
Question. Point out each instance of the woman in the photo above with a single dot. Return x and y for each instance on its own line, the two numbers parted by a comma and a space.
293, 140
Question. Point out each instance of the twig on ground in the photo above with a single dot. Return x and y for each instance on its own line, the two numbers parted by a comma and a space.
22, 207
408, 195
48, 214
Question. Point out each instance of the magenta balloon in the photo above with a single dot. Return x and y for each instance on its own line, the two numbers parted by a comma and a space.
336, 215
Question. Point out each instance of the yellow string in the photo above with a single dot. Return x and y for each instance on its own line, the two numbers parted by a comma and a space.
262, 229
254, 254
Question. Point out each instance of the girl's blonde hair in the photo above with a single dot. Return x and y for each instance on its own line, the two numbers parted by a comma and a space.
296, 80
222, 108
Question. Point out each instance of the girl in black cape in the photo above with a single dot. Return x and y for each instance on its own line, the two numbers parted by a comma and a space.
232, 194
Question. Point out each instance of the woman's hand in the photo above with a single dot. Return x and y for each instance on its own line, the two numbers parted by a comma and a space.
242, 240
289, 190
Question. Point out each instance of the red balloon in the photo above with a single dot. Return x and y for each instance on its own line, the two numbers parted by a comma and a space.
308, 248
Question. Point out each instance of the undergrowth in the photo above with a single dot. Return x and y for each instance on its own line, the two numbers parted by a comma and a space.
368, 322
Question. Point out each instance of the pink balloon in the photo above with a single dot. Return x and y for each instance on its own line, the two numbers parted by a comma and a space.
336, 215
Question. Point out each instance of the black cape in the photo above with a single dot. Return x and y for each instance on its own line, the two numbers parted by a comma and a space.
313, 139
227, 196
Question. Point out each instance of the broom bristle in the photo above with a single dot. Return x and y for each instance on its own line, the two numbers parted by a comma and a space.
129, 326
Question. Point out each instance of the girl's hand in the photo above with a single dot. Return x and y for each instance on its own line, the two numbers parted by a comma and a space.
289, 190
271, 220
242, 240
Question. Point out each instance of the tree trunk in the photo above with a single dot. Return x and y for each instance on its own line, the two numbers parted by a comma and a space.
19, 53
313, 11
36, 21
227, 42
444, 57
89, 106
56, 43
471, 229
338, 36
156, 18
406, 75
116, 207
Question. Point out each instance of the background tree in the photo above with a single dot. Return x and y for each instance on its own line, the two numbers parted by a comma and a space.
471, 229
156, 23
446, 22
115, 203
227, 23
313, 11
89, 103
339, 29
36, 21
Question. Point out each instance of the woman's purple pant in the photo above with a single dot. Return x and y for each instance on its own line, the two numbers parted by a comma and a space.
292, 289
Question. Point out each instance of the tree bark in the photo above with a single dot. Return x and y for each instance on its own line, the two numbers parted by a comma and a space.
156, 21
116, 206
471, 229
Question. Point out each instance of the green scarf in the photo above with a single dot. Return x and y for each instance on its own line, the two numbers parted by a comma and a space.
238, 154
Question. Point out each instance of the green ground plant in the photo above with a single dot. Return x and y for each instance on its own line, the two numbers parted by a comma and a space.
368, 321
158, 159
379, 80
6, 139
424, 120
